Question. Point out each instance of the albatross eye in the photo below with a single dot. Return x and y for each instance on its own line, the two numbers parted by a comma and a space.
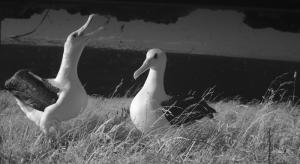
155, 56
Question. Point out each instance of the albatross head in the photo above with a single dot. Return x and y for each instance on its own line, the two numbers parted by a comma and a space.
80, 37
155, 59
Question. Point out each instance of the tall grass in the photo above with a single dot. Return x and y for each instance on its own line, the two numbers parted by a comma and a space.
266, 131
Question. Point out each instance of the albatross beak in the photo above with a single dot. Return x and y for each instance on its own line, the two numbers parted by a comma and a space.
146, 65
81, 30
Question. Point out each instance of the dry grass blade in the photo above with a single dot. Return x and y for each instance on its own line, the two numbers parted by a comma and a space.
258, 132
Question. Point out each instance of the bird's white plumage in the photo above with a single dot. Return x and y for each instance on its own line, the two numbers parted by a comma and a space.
72, 98
145, 107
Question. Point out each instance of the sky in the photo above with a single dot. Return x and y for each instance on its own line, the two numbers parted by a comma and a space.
204, 31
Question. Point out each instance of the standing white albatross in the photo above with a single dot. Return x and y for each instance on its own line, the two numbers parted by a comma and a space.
71, 95
153, 109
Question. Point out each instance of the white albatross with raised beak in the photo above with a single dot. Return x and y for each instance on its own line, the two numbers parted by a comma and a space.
152, 109
72, 97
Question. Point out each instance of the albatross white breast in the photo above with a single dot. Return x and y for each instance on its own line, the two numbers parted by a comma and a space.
71, 95
152, 108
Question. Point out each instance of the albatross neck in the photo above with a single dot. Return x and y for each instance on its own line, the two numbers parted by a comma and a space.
154, 84
68, 67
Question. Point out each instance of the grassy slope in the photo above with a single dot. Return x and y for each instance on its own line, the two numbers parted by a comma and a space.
257, 132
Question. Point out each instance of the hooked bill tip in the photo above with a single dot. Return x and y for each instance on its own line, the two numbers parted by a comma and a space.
92, 15
135, 76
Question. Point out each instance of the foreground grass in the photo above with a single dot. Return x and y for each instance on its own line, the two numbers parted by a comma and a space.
258, 132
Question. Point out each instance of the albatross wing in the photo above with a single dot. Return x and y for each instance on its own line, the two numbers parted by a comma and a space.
181, 110
32, 90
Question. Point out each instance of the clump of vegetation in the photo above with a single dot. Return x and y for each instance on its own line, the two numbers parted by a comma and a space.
266, 131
